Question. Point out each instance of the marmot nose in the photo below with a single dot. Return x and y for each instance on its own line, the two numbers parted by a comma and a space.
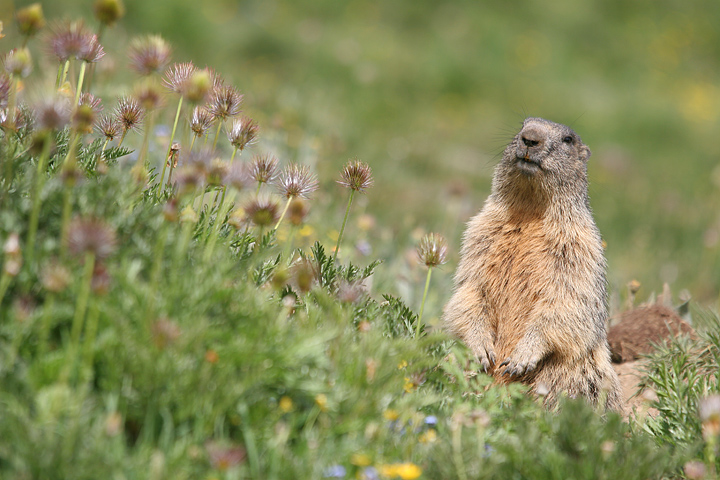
531, 137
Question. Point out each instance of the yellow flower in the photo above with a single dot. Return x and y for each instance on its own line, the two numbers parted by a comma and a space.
428, 437
321, 402
286, 404
408, 471
388, 471
402, 364
391, 414
360, 459
333, 235
409, 385
306, 231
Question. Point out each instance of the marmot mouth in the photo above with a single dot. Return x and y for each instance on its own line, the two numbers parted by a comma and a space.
528, 165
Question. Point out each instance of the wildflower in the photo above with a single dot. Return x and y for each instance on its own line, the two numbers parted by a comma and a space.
695, 470
369, 473
176, 77
298, 211
83, 118
13, 255
149, 54
91, 236
285, 404
18, 62
211, 356
109, 11
52, 114
360, 459
71, 40
357, 176
297, 181
429, 436
321, 402
200, 121
409, 385
431, 420
225, 102
90, 100
216, 172
710, 416
237, 176
264, 169
408, 471
199, 84
303, 276
243, 133
30, 19
129, 114
55, 277
223, 457
432, 250
351, 292
262, 212
164, 332
149, 96
334, 471
108, 126
100, 282
403, 364
391, 415
93, 52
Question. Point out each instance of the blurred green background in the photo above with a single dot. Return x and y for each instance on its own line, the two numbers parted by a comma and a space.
428, 93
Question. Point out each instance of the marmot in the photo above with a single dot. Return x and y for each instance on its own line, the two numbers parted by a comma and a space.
530, 289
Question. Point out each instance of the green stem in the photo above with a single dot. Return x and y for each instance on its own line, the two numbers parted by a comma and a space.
146, 142
219, 220
217, 133
37, 197
287, 204
257, 192
4, 284
45, 325
66, 67
12, 101
71, 149
172, 137
65, 225
81, 78
232, 157
192, 142
422, 305
80, 307
342, 229
155, 274
90, 334
57, 79
102, 152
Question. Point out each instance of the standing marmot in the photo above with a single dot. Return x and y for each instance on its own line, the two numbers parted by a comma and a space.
530, 288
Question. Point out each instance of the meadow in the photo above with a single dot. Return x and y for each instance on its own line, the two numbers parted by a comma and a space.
215, 245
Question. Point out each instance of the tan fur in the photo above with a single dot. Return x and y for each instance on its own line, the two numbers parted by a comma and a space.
529, 297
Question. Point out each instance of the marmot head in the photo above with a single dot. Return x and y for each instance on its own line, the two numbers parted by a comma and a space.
545, 157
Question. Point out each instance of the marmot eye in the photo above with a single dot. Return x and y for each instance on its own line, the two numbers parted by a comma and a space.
568, 139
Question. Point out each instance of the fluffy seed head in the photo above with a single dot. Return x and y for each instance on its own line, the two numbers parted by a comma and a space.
52, 114
262, 212
55, 277
223, 457
109, 11
356, 175
149, 54
18, 62
91, 235
177, 76
4, 90
198, 86
297, 181
243, 132
263, 168
129, 113
71, 40
238, 177
83, 118
225, 102
297, 211
30, 19
432, 249
303, 276
149, 95
90, 100
93, 53
109, 126
200, 121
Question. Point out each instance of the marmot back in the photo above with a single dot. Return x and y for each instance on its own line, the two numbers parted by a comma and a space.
530, 288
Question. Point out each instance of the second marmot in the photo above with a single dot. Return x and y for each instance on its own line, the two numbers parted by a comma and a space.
530, 288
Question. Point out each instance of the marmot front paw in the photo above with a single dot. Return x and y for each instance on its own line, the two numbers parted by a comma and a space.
519, 364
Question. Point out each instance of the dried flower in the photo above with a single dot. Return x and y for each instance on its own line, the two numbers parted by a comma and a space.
71, 40
297, 181
83, 118
149, 54
351, 292
223, 457
710, 416
176, 77
149, 95
52, 114
243, 132
55, 277
165, 332
91, 101
109, 126
89, 235
94, 51
264, 168
13, 255
199, 84
225, 102
238, 177
303, 276
200, 121
129, 113
30, 19
5, 84
432, 249
18, 62
262, 212
109, 11
297, 211
100, 282
356, 175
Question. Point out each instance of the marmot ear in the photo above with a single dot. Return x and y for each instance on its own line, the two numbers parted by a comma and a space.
584, 153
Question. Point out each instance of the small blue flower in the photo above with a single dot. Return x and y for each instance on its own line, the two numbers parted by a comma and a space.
431, 420
334, 471
370, 473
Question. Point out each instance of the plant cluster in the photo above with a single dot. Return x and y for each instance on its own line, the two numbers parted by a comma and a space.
160, 327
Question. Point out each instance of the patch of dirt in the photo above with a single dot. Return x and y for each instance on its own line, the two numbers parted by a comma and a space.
636, 331
636, 402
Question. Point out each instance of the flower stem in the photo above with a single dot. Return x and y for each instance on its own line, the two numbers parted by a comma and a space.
342, 229
217, 133
219, 220
65, 225
287, 204
232, 157
80, 307
172, 137
45, 325
4, 284
422, 305
81, 78
37, 196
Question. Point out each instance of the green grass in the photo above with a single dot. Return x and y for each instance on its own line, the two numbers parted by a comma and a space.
193, 346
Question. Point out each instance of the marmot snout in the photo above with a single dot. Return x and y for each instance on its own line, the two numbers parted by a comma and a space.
530, 293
